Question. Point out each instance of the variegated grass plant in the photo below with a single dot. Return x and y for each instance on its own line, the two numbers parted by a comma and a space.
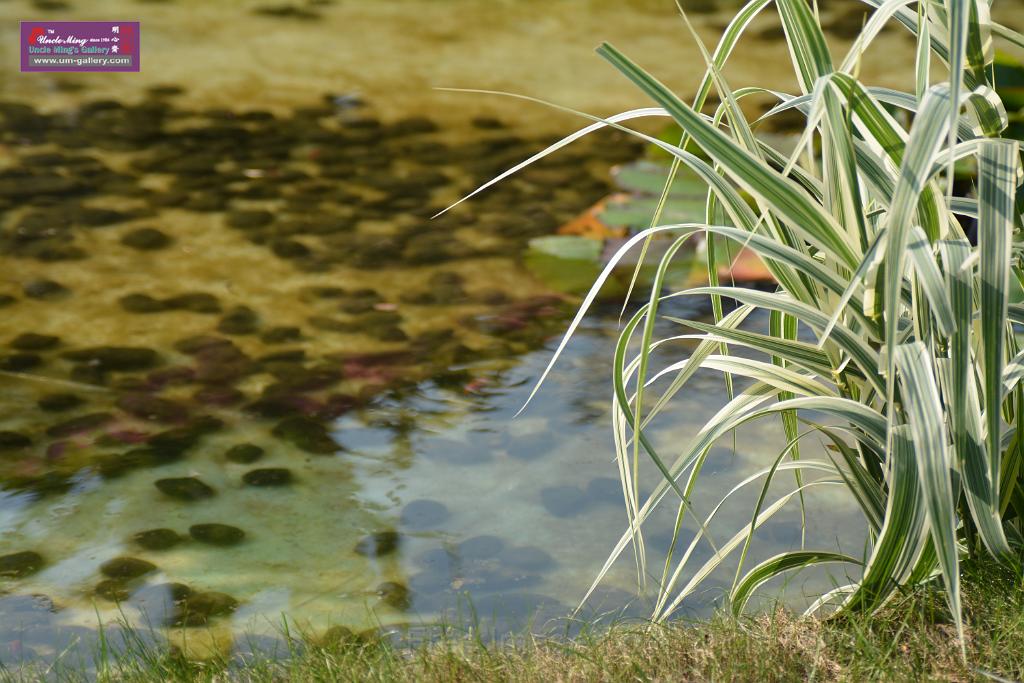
915, 361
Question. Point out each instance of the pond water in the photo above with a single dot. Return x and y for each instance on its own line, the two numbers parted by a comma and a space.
246, 379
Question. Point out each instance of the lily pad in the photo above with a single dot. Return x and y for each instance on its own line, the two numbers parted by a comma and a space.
567, 247
636, 212
648, 178
562, 275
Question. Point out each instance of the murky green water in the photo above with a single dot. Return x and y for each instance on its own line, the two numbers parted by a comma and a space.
246, 379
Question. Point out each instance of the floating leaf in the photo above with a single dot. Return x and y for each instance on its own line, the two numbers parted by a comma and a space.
648, 177
567, 247
637, 212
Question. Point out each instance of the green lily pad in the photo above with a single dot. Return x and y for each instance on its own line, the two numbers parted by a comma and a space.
567, 247
571, 276
576, 277
648, 177
637, 212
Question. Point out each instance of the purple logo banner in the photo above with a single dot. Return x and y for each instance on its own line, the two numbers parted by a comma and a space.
79, 46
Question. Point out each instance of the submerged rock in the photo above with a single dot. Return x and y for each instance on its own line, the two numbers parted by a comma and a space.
244, 453
152, 408
487, 123
47, 484
172, 592
173, 443
197, 609
218, 361
279, 405
80, 424
88, 374
216, 534
290, 249
286, 359
185, 488
287, 11
147, 239
30, 341
295, 378
13, 441
19, 565
114, 466
219, 396
126, 568
395, 595
196, 302
141, 303
119, 358
19, 362
281, 335
96, 217
192, 346
240, 320
307, 435
340, 636
378, 544
271, 476
212, 603
248, 219
423, 514
177, 374
157, 539
205, 201
45, 289
56, 403
114, 590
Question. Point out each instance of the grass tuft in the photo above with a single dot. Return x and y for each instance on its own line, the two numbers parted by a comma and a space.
910, 639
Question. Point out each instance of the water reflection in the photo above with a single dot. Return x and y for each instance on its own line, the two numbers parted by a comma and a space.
441, 508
